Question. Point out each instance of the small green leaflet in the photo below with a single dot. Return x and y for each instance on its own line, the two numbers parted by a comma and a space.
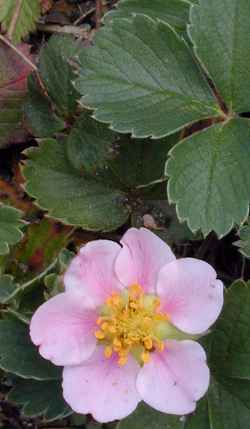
145, 417
19, 356
19, 17
10, 223
90, 144
173, 12
40, 398
227, 404
220, 33
7, 288
68, 195
57, 72
244, 243
40, 116
209, 177
141, 77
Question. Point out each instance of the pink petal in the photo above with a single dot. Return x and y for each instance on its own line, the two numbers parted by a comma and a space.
101, 387
63, 328
175, 379
190, 294
142, 256
92, 271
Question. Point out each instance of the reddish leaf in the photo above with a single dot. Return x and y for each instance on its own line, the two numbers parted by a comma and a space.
13, 81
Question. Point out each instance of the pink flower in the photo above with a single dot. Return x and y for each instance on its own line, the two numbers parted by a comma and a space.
123, 328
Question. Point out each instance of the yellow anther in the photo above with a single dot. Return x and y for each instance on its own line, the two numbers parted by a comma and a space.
160, 346
129, 324
117, 343
134, 305
116, 300
105, 326
122, 360
147, 321
148, 343
135, 290
112, 329
157, 303
113, 299
108, 351
145, 356
99, 335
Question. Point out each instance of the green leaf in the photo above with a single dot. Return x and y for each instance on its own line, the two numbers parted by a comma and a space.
222, 409
89, 145
7, 288
230, 343
10, 223
69, 196
141, 77
40, 398
140, 162
19, 356
19, 17
41, 119
209, 177
173, 12
227, 404
220, 33
145, 417
244, 242
57, 73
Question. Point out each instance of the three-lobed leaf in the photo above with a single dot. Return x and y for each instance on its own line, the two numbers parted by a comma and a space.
141, 77
209, 177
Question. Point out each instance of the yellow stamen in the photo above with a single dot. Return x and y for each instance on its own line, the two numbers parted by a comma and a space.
105, 326
122, 360
108, 351
129, 324
112, 329
117, 343
99, 335
148, 343
160, 346
145, 356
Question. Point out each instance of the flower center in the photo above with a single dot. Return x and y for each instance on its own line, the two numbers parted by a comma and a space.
131, 322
